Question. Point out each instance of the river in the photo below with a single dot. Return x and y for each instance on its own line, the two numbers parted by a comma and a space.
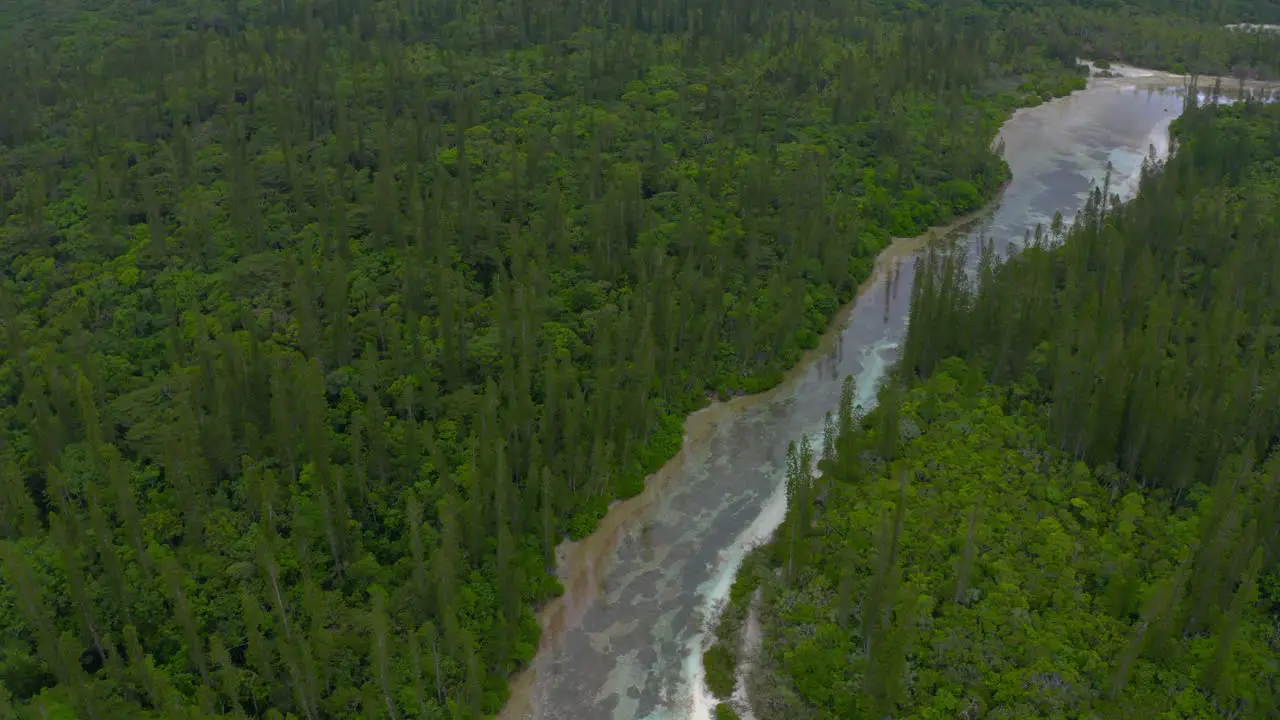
624, 642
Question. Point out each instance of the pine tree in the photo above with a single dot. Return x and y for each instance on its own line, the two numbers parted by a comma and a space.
964, 563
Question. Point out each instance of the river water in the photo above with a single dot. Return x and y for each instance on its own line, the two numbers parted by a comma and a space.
625, 640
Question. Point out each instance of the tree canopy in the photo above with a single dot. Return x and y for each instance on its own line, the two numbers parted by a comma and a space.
324, 321
1075, 517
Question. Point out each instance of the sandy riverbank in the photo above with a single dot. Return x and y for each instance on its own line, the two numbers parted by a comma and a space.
1142, 78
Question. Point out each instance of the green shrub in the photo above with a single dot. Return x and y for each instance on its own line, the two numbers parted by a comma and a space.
725, 711
719, 665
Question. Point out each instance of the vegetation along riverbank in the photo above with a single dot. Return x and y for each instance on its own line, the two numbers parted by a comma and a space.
1066, 501
324, 322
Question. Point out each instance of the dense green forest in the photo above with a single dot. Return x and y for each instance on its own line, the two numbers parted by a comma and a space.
1066, 503
1175, 43
324, 321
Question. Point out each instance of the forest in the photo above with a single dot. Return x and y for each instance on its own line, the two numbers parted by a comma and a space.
1066, 501
324, 322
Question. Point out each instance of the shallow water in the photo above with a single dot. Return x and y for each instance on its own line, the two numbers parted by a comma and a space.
625, 641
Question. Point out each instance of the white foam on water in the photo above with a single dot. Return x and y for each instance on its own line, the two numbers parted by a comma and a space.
1158, 138
715, 592
1129, 162
702, 702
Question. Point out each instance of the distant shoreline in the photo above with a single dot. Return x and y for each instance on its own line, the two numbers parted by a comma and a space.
1143, 78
